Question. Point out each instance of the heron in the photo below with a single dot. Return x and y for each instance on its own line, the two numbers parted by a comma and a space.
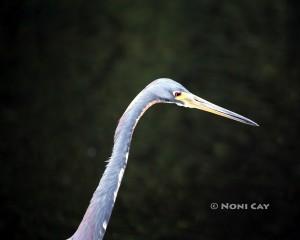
162, 90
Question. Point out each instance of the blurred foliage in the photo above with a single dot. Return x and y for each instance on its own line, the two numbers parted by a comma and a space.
69, 69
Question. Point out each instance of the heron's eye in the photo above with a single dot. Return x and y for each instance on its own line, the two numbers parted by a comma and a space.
177, 94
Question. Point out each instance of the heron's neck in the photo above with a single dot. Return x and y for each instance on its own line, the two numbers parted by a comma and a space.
96, 218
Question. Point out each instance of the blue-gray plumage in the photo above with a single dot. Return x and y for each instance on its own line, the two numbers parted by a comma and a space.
163, 90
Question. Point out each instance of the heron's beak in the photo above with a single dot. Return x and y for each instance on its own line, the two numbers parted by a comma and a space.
192, 101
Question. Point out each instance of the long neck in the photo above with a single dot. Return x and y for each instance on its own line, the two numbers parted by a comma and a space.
95, 220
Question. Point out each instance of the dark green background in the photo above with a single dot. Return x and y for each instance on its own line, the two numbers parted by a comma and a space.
71, 67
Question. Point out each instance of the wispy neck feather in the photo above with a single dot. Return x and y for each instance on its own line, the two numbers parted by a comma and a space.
96, 218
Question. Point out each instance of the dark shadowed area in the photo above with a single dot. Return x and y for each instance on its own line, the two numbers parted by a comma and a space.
70, 69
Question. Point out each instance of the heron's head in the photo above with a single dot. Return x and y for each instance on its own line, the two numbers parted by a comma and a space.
170, 91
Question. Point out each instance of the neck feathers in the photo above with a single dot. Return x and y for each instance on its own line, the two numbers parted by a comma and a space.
96, 218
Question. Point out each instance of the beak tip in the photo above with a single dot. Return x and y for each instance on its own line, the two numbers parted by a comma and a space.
254, 124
